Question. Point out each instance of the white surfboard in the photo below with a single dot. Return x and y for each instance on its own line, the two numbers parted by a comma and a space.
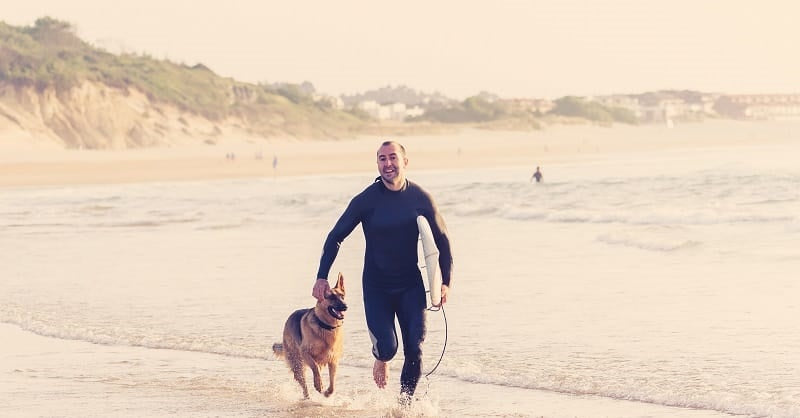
431, 253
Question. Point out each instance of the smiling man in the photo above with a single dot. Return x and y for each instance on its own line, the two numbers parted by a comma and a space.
392, 282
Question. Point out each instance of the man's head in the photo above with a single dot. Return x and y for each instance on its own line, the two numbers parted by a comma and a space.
392, 164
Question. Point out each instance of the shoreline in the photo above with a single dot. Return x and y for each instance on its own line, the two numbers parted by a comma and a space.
76, 391
35, 166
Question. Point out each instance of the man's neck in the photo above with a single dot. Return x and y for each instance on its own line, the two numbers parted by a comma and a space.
396, 186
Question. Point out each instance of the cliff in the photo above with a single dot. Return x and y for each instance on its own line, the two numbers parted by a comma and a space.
56, 88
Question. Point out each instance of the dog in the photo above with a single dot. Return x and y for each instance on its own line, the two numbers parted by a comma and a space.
313, 337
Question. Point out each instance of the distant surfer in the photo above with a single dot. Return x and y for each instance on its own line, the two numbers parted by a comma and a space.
537, 175
392, 282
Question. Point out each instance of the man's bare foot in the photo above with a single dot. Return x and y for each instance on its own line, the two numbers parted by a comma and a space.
380, 372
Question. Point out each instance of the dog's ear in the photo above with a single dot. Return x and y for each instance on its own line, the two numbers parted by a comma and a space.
340, 282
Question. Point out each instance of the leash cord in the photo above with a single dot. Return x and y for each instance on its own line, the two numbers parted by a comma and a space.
444, 346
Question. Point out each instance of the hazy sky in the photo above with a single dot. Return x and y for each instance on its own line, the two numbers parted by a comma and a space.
533, 48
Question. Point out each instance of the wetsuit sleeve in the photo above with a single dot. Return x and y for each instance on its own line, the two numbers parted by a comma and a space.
344, 226
442, 239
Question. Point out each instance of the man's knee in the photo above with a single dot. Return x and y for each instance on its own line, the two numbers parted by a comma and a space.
384, 349
413, 353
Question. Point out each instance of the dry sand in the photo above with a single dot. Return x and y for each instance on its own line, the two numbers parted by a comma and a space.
27, 162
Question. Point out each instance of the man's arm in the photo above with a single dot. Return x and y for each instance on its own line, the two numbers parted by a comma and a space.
442, 240
344, 226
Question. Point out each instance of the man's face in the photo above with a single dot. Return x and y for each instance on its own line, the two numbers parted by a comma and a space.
392, 163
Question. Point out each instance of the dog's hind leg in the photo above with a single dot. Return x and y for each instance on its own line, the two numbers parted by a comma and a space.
331, 378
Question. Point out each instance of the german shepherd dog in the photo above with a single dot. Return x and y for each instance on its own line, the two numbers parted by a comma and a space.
313, 337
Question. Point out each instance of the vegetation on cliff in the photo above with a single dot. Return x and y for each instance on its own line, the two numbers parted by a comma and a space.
579, 107
50, 56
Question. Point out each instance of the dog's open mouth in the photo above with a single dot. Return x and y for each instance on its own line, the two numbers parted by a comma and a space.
337, 311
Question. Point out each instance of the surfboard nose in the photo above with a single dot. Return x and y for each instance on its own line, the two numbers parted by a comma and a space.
431, 253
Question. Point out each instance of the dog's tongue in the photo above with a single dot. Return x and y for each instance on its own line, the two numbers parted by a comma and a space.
336, 313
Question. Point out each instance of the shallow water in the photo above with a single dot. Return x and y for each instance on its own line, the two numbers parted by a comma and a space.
665, 280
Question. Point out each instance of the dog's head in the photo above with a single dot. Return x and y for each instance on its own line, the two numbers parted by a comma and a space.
333, 305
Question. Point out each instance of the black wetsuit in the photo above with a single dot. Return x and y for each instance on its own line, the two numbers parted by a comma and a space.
392, 281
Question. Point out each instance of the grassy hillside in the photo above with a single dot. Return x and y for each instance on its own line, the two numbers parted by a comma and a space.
48, 55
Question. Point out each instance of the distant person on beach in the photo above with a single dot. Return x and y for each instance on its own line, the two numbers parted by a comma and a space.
537, 175
274, 161
392, 282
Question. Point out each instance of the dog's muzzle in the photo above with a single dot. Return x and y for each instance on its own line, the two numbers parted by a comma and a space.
337, 311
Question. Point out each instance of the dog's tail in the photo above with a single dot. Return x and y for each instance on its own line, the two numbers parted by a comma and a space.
277, 348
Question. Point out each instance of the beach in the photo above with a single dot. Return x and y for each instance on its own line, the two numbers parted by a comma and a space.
52, 377
651, 274
34, 163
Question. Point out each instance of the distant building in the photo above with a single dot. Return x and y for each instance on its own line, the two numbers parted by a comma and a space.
539, 106
415, 111
391, 111
663, 110
663, 106
622, 101
760, 106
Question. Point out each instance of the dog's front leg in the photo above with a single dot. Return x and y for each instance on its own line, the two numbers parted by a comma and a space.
300, 375
331, 377
314, 370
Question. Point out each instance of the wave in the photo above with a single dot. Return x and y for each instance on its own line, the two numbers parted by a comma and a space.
719, 402
572, 213
704, 198
771, 201
226, 225
37, 225
566, 384
635, 214
129, 338
96, 209
144, 223
460, 370
650, 240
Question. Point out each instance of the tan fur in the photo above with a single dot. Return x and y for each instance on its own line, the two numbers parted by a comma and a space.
307, 343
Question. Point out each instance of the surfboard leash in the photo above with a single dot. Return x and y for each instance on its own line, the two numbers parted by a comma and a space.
444, 346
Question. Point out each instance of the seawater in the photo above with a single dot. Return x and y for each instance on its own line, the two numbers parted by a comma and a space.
670, 279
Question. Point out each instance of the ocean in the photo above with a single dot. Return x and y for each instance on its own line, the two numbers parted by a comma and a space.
637, 284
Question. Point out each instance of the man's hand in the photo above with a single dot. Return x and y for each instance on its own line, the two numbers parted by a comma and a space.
321, 289
445, 289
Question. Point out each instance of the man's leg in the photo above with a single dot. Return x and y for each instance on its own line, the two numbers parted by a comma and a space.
411, 317
379, 310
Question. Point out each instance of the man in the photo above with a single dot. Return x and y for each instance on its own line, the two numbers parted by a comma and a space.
392, 283
536, 175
